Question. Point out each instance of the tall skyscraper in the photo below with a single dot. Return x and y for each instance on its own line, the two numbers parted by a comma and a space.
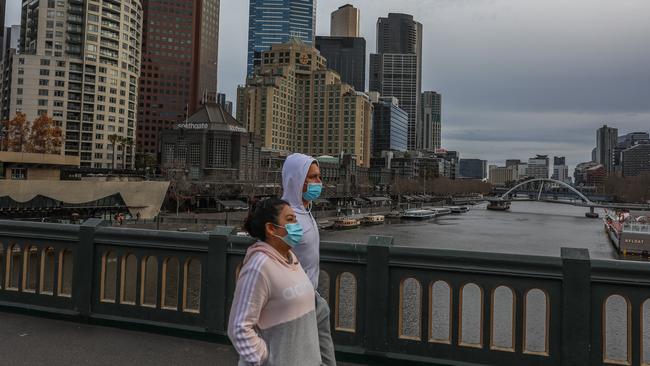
560, 169
10, 40
606, 141
396, 68
3, 4
473, 169
276, 21
179, 64
345, 22
295, 103
344, 50
389, 125
79, 63
430, 126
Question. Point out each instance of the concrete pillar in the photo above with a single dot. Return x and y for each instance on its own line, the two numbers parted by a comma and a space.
576, 307
378, 288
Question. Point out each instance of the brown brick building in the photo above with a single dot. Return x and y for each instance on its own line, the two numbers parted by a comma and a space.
179, 64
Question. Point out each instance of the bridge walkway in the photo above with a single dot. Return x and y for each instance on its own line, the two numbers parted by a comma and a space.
35, 341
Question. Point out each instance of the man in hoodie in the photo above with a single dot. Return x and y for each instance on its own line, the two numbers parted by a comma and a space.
302, 184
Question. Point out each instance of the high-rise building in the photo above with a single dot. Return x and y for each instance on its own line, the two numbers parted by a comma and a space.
636, 160
396, 68
295, 103
625, 142
560, 169
606, 141
347, 56
538, 167
345, 22
179, 65
390, 125
500, 175
429, 128
9, 48
276, 21
3, 4
473, 169
79, 63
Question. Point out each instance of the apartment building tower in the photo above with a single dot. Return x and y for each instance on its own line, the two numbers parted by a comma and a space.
295, 103
79, 62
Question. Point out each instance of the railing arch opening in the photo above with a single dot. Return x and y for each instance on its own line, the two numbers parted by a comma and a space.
346, 303
324, 285
108, 280
502, 337
645, 337
410, 309
30, 269
471, 316
171, 279
440, 312
48, 271
129, 273
149, 282
617, 331
2, 267
536, 322
66, 266
14, 264
192, 286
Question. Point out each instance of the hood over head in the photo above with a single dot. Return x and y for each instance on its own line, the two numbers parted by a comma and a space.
294, 172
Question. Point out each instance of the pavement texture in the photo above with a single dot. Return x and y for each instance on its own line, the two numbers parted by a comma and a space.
34, 341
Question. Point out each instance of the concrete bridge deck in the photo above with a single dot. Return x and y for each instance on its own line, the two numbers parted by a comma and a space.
35, 341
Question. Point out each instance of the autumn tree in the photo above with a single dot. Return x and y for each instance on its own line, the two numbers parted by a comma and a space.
45, 137
16, 133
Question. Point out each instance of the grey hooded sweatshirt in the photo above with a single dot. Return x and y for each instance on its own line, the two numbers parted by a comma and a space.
294, 173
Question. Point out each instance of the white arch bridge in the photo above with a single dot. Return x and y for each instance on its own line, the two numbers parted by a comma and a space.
584, 200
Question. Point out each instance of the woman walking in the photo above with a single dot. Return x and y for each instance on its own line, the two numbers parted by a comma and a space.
273, 318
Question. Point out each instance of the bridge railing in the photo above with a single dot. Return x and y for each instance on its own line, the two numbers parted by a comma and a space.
386, 301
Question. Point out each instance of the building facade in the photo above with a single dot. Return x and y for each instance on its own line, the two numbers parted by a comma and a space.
347, 56
345, 22
560, 170
396, 68
390, 125
501, 175
473, 169
79, 63
211, 146
179, 64
10, 41
295, 103
430, 126
636, 160
606, 141
538, 167
276, 21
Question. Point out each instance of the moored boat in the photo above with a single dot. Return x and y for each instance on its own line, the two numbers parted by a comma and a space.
373, 220
498, 204
457, 209
629, 232
440, 211
418, 214
346, 223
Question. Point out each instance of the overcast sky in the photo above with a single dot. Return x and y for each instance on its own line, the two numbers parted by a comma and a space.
518, 77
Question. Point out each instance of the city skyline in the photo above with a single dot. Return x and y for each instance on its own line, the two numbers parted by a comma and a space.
584, 71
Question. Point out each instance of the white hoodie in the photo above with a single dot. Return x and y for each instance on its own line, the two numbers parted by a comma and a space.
294, 172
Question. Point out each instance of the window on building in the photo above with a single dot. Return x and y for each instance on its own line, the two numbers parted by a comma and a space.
18, 173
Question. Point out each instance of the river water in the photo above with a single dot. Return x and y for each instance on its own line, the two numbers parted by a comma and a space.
529, 228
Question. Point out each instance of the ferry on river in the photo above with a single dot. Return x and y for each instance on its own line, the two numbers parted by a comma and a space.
440, 211
373, 220
629, 232
418, 214
346, 223
458, 209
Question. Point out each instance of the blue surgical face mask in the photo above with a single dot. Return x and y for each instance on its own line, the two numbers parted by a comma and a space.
294, 234
313, 191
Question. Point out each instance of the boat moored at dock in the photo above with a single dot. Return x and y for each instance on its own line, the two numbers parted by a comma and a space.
373, 220
457, 209
346, 223
629, 232
418, 214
